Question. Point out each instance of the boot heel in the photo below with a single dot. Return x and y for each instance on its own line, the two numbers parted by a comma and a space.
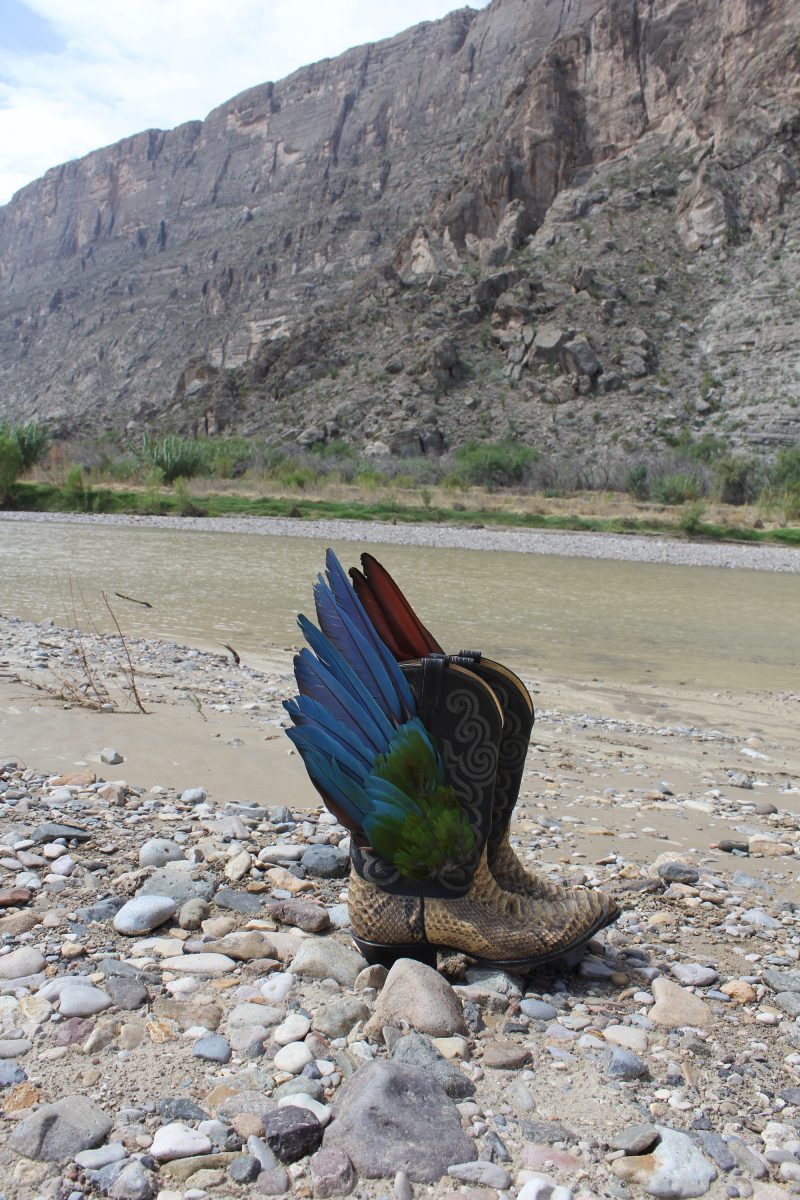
385, 956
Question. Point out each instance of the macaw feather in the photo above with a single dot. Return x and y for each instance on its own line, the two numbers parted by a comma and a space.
366, 751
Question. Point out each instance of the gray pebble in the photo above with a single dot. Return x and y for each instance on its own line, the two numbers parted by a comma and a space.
214, 1048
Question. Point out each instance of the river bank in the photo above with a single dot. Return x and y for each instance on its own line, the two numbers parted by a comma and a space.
618, 547
165, 1059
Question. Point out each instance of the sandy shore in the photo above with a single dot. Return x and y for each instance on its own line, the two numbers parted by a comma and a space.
182, 1046
628, 548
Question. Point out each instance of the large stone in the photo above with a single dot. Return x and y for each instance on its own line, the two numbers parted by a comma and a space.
675, 1167
332, 1173
323, 958
292, 1132
177, 1140
22, 962
676, 1007
57, 1132
419, 995
157, 851
304, 914
391, 1117
143, 914
177, 881
416, 1050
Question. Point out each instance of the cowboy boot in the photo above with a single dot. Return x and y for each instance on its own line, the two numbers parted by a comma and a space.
464, 909
518, 718
398, 625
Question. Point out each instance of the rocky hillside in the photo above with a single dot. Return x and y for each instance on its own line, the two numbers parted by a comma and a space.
574, 222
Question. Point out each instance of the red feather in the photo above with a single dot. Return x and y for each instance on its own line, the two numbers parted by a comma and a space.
375, 614
409, 632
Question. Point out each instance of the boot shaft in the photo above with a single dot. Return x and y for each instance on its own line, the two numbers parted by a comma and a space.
463, 716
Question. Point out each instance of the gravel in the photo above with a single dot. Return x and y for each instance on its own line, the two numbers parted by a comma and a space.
622, 548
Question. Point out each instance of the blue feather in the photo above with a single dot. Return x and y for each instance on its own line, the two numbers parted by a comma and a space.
344, 674
349, 603
314, 680
305, 711
312, 737
337, 626
355, 726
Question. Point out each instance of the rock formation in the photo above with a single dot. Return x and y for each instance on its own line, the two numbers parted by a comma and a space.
571, 221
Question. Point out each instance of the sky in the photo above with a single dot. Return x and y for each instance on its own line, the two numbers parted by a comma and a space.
79, 74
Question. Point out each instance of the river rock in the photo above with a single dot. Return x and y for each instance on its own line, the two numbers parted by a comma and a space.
304, 914
293, 1057
538, 1010
674, 1168
338, 1018
481, 1174
391, 1117
177, 1140
675, 1007
332, 1173
419, 995
693, 974
200, 964
157, 851
325, 862
143, 914
93, 1160
22, 962
323, 958
626, 1036
293, 1029
10, 1074
176, 881
291, 1133
57, 1132
623, 1064
213, 1048
83, 1001
245, 946
418, 1051
134, 1182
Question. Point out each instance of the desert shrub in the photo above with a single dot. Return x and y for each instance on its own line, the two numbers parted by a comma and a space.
32, 440
494, 464
10, 464
737, 480
785, 471
174, 455
77, 492
297, 476
675, 488
637, 482
691, 517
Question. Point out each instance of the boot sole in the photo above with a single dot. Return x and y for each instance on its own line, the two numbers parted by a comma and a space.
379, 954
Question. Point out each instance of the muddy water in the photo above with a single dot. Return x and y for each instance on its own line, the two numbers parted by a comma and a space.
581, 619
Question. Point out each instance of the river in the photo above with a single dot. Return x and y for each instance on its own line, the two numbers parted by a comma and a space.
580, 618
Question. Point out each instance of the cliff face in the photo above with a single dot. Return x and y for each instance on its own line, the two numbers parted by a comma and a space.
266, 262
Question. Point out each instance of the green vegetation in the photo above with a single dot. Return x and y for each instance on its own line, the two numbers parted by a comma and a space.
49, 498
10, 465
493, 465
684, 477
21, 446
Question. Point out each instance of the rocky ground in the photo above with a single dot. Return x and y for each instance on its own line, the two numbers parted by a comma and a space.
183, 1013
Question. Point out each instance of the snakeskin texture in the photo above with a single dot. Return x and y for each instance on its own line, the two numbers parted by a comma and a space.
487, 924
378, 916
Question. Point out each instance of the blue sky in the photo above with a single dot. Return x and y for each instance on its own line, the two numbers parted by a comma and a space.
79, 74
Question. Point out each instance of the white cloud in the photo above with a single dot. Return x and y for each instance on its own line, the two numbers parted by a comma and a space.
124, 66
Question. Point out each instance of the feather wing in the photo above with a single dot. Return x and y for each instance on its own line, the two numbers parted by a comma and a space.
396, 609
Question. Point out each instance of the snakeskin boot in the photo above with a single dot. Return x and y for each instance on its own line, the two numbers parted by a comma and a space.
518, 717
464, 909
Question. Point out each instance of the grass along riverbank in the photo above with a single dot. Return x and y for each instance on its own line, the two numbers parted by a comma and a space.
589, 512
